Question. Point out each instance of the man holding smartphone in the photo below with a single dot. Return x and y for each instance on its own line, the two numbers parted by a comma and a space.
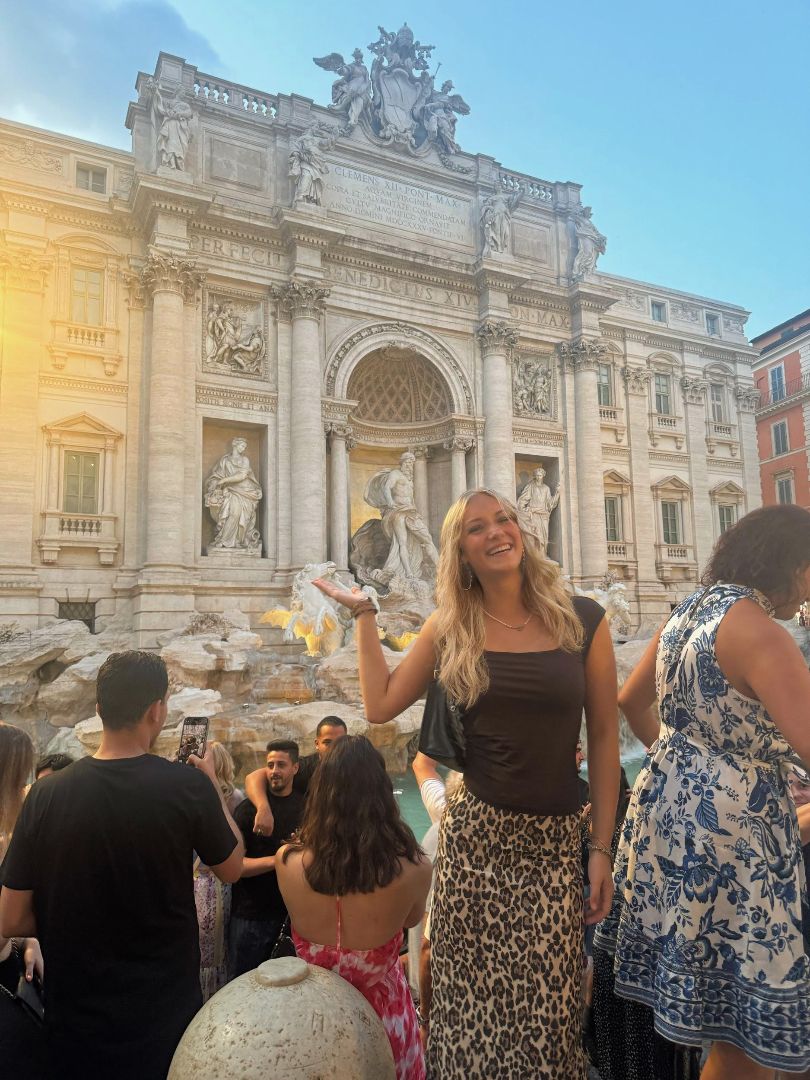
100, 870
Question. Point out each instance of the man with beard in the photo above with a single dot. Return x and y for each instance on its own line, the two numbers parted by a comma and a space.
257, 909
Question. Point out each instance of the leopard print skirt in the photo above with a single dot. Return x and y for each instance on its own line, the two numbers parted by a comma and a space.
506, 940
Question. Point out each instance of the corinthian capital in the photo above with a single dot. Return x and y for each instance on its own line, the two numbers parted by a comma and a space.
581, 355
462, 443
694, 390
167, 272
636, 379
299, 298
26, 270
496, 335
748, 397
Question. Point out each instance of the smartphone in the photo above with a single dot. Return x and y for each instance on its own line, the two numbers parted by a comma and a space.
193, 738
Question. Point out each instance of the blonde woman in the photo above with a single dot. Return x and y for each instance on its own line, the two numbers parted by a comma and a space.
23, 1048
212, 896
522, 659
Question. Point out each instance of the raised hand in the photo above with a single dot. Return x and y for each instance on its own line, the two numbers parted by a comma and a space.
339, 593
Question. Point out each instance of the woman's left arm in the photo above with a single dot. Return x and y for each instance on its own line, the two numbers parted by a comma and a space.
602, 721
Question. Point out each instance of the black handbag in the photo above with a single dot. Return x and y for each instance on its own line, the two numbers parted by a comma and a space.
441, 736
284, 946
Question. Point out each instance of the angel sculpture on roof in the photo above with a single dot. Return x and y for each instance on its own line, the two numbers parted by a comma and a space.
352, 91
437, 112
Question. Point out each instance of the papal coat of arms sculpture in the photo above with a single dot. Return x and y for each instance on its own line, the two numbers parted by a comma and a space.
398, 101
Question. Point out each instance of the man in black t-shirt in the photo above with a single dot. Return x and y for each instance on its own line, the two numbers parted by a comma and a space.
100, 870
328, 731
257, 908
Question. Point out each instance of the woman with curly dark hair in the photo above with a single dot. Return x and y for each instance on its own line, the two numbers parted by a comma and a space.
708, 935
352, 879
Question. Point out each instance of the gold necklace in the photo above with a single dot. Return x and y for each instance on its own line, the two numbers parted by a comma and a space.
509, 626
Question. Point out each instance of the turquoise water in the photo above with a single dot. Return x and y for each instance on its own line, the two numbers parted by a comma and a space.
410, 803
412, 809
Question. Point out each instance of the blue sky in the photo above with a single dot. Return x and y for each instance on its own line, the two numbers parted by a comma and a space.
687, 124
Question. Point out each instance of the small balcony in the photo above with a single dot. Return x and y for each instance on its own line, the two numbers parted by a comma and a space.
612, 417
719, 433
775, 399
65, 530
621, 557
675, 562
73, 339
667, 424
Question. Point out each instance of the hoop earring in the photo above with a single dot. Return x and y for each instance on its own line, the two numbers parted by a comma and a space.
523, 560
470, 580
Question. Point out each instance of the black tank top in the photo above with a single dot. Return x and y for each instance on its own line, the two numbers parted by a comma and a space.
522, 733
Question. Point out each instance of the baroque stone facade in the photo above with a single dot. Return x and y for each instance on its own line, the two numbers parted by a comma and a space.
285, 297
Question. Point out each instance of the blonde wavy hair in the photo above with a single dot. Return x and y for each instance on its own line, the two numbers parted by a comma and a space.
224, 768
460, 625
16, 766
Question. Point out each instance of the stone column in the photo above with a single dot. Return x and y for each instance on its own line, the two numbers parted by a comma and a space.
748, 403
304, 302
637, 381
283, 507
23, 273
171, 281
420, 483
694, 405
54, 445
497, 340
107, 492
340, 443
458, 447
583, 358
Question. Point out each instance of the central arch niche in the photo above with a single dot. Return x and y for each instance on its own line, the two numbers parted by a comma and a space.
402, 400
398, 387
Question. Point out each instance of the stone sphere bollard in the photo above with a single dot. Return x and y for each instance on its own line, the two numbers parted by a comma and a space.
287, 1020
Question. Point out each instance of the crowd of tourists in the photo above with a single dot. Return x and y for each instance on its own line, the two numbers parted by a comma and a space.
662, 932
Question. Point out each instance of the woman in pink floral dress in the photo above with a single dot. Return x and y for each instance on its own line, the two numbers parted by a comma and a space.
352, 881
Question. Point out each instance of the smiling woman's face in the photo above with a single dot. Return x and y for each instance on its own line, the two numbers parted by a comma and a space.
490, 539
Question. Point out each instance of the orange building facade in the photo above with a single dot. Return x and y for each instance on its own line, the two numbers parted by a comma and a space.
782, 375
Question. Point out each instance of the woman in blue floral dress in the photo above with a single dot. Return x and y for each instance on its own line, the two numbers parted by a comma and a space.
709, 868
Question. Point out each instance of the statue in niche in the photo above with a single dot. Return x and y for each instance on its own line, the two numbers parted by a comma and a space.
232, 494
308, 164
238, 347
438, 114
175, 116
531, 388
401, 553
496, 220
351, 93
590, 243
535, 504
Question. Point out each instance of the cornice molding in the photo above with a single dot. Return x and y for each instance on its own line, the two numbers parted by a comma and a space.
84, 386
233, 397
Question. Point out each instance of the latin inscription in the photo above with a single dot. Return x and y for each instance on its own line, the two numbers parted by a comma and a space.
538, 317
413, 290
226, 249
382, 201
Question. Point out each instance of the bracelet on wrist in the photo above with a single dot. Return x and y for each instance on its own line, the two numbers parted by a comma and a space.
363, 608
603, 849
421, 1019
